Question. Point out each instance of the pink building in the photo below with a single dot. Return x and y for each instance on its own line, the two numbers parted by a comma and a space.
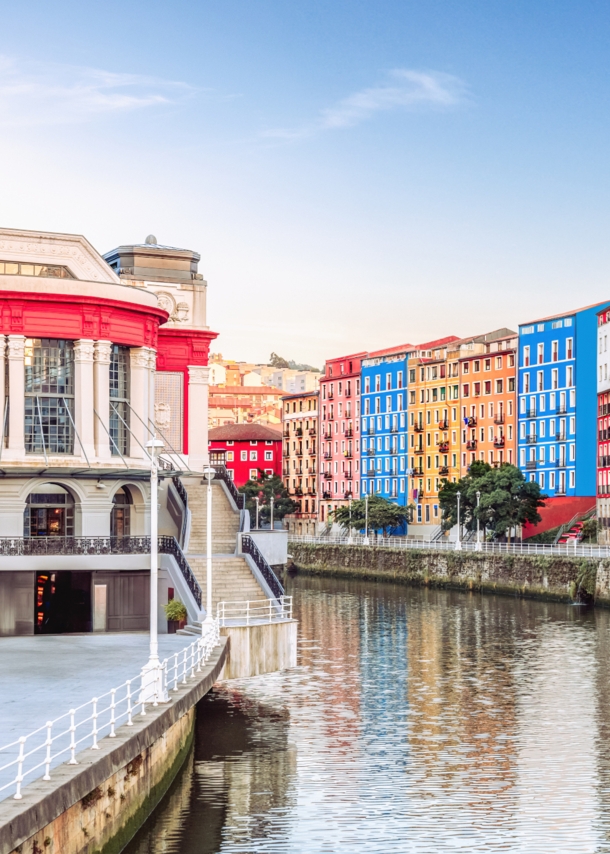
339, 433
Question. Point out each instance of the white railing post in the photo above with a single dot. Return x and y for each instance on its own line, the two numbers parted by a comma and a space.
112, 733
48, 743
72, 739
129, 709
19, 779
95, 745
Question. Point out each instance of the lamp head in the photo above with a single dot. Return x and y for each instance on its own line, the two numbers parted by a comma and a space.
209, 473
154, 447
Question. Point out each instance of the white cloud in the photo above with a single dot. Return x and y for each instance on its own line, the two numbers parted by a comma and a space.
35, 93
406, 89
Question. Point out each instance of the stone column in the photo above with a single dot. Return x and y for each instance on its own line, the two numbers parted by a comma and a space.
152, 368
83, 398
3, 390
139, 358
16, 386
101, 398
198, 390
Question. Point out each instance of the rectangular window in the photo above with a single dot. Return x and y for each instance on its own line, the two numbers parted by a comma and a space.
569, 348
243, 456
49, 396
119, 400
367, 385
253, 474
526, 357
269, 456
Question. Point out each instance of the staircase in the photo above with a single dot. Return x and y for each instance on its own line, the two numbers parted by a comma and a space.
232, 578
572, 532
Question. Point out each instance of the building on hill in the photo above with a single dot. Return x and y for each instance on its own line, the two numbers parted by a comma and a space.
300, 429
339, 434
248, 449
244, 404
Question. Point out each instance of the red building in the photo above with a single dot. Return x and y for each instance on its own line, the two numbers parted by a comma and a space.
339, 433
249, 449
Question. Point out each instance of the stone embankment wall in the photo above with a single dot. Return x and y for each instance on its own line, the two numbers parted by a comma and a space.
558, 577
96, 807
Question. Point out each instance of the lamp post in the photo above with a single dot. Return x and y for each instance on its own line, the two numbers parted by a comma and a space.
208, 474
271, 505
349, 539
478, 546
152, 686
366, 520
256, 498
458, 542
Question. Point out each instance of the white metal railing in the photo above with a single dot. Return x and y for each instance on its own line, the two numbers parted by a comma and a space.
84, 726
254, 612
573, 548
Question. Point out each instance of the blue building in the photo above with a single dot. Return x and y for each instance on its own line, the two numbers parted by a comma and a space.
557, 411
383, 437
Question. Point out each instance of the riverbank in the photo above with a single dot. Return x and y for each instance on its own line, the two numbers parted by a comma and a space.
549, 577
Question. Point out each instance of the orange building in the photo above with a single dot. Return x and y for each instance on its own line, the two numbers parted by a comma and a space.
300, 459
244, 405
488, 399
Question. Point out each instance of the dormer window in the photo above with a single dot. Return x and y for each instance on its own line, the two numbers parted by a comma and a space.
45, 271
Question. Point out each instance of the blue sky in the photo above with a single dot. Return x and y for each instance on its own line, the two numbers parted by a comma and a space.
354, 174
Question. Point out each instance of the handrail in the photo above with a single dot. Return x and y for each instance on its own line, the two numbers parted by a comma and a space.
254, 611
249, 547
85, 725
223, 474
169, 545
183, 494
576, 518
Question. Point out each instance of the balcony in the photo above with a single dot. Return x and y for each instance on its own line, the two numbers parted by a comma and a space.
328, 475
349, 433
312, 431
298, 431
419, 428
393, 449
328, 455
530, 413
531, 439
286, 433
499, 419
499, 442
561, 409
418, 450
472, 421
370, 431
326, 496
299, 452
443, 447
370, 473
443, 425
298, 491
471, 445
286, 455
370, 452
561, 464
443, 471
418, 472
330, 395
560, 437
348, 455
531, 464
312, 452
394, 429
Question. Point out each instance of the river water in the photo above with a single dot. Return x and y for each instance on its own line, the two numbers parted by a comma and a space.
415, 721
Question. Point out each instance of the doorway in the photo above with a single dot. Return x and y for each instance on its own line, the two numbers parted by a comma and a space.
62, 602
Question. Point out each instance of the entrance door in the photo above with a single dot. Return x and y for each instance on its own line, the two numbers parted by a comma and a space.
62, 602
100, 607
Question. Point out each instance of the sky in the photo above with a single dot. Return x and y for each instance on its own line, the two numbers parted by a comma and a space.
354, 173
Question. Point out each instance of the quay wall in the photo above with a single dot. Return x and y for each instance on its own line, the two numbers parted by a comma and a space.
262, 648
97, 806
551, 577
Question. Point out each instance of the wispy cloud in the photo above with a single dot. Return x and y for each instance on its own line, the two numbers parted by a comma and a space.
405, 89
35, 93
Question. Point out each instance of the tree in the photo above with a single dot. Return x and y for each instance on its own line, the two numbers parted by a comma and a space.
276, 361
383, 515
507, 500
265, 486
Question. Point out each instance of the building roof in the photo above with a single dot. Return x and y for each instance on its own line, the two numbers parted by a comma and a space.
313, 393
237, 390
440, 342
566, 313
244, 433
360, 355
391, 351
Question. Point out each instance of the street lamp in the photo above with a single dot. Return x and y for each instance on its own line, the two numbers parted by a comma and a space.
209, 474
256, 498
271, 520
152, 686
349, 539
478, 546
366, 520
458, 542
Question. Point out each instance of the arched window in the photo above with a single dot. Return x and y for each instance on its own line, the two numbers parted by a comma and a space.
49, 512
120, 517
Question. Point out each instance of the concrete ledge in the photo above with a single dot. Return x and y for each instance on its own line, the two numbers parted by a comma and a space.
44, 802
261, 648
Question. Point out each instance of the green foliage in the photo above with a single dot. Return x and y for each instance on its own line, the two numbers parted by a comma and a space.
507, 499
276, 361
589, 530
383, 515
175, 610
264, 487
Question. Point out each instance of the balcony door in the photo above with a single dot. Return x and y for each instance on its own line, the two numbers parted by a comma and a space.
49, 512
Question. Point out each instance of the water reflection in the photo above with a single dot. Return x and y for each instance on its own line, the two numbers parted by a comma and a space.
416, 721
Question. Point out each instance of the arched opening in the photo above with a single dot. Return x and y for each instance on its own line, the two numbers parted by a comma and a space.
120, 516
49, 512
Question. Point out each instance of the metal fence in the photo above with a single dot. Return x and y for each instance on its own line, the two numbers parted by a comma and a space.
254, 612
572, 549
84, 726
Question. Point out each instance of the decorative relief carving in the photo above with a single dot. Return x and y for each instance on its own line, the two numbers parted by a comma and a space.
166, 302
152, 359
163, 415
199, 374
83, 350
139, 357
16, 347
101, 351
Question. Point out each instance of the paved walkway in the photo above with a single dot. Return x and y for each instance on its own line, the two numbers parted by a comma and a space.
42, 677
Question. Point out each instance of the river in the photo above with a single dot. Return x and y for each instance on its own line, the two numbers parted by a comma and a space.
416, 721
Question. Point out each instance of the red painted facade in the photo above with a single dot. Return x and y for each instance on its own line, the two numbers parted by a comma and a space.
248, 448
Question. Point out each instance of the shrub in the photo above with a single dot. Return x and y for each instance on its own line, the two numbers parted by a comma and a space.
175, 610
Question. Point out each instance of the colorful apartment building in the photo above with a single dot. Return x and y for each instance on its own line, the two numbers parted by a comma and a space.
339, 433
558, 407
603, 427
300, 459
488, 399
434, 429
244, 404
383, 446
248, 449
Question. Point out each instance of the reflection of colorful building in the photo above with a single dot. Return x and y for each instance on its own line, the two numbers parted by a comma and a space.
300, 456
339, 433
603, 426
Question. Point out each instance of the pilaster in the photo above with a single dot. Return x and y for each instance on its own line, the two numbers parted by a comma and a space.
198, 393
101, 398
140, 362
83, 398
16, 386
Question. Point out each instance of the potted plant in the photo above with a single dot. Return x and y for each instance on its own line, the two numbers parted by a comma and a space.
175, 611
